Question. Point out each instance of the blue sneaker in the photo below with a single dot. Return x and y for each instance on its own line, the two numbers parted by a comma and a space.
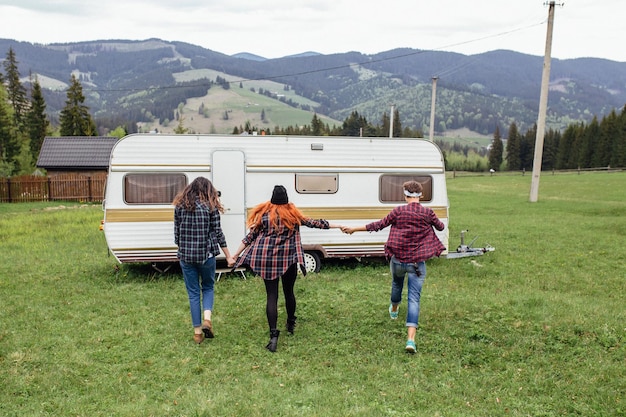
410, 346
393, 314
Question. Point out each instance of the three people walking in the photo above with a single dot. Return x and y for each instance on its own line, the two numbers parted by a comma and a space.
273, 249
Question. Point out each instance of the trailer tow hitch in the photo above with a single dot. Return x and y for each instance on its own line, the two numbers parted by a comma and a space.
464, 251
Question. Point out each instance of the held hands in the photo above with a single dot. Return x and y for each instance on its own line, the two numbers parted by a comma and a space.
231, 261
347, 230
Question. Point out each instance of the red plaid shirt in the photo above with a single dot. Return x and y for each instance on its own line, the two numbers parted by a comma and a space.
271, 252
412, 238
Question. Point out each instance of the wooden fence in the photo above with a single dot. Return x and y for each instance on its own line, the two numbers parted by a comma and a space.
66, 187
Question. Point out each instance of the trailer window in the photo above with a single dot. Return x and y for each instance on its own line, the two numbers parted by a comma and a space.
391, 190
316, 183
152, 188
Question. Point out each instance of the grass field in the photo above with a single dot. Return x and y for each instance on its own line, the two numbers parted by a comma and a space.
536, 328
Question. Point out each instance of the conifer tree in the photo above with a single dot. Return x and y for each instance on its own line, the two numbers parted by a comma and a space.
75, 118
386, 122
527, 148
608, 133
9, 147
36, 119
588, 144
15, 90
513, 160
495, 154
397, 124
317, 127
565, 147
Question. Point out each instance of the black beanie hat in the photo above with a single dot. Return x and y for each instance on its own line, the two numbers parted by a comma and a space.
279, 195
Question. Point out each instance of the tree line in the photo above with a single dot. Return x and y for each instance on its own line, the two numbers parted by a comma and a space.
599, 144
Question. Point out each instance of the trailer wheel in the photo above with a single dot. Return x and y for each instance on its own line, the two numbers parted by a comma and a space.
312, 262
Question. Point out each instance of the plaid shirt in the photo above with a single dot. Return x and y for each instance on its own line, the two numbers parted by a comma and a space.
412, 238
271, 252
198, 234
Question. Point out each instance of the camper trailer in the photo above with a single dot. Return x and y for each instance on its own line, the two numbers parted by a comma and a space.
346, 180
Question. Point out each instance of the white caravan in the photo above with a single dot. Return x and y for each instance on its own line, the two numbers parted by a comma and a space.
347, 180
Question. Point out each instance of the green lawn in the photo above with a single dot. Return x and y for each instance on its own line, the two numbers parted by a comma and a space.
535, 328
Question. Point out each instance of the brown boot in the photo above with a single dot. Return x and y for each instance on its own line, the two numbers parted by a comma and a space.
198, 337
207, 328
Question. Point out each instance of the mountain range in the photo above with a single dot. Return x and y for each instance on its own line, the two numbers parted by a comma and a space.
142, 81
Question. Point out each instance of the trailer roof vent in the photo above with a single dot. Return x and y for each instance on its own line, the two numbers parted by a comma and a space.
317, 146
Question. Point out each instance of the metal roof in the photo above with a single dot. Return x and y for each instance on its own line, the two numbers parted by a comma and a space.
76, 152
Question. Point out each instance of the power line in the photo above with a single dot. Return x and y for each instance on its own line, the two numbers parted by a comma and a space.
446, 71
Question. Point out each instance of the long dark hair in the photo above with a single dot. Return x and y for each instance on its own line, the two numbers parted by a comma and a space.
200, 189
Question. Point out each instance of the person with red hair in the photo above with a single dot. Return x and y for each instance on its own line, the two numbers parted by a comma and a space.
273, 250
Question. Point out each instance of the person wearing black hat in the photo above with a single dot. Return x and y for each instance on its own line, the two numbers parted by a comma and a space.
273, 250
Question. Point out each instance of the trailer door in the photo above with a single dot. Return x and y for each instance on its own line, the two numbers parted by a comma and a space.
228, 169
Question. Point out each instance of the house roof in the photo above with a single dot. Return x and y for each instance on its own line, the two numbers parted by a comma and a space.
76, 152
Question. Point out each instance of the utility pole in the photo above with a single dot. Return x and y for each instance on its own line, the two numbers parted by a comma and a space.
391, 122
432, 109
543, 106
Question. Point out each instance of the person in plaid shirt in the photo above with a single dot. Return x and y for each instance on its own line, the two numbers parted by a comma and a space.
199, 237
411, 242
273, 250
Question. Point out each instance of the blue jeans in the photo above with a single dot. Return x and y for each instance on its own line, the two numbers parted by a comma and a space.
199, 278
416, 274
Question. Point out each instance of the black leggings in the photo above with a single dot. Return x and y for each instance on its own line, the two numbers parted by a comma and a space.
271, 288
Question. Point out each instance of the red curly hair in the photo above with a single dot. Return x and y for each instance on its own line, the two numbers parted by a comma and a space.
288, 214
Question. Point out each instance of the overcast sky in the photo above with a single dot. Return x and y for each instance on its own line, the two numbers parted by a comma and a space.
276, 28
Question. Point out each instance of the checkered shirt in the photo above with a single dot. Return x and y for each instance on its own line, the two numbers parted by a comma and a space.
198, 234
412, 238
270, 252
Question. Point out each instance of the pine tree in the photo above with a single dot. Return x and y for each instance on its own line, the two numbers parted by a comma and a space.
75, 118
386, 122
397, 124
16, 92
37, 121
565, 147
317, 127
513, 160
495, 154
9, 147
618, 153
550, 147
180, 129
608, 132
588, 143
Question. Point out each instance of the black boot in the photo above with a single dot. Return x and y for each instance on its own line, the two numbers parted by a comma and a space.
291, 324
271, 346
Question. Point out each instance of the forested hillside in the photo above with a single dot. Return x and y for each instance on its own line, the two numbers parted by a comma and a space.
134, 81
120, 87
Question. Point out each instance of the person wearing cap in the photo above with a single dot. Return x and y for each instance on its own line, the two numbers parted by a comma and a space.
411, 242
273, 250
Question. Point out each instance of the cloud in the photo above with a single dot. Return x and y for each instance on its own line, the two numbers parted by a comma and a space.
274, 28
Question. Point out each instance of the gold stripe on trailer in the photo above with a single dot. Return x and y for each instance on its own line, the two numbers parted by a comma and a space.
139, 215
335, 213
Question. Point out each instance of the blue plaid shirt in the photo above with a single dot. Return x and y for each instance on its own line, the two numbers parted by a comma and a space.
411, 238
198, 234
271, 252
